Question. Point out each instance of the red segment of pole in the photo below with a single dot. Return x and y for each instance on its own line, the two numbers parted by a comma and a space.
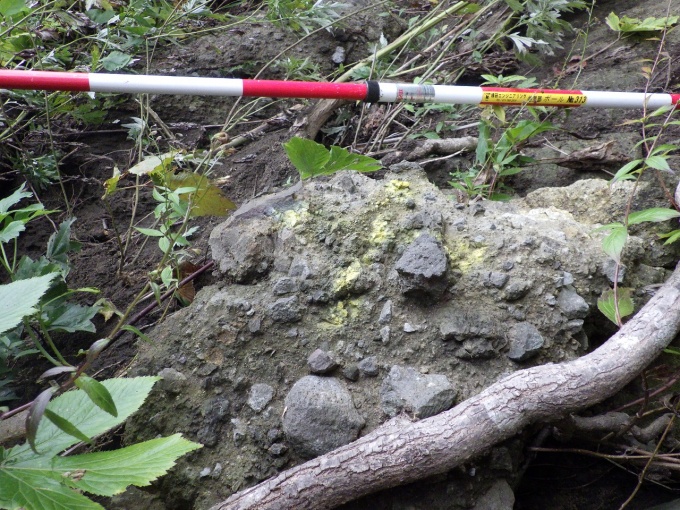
308, 90
44, 80
675, 99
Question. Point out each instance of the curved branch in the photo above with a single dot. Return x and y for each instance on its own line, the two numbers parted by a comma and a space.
401, 451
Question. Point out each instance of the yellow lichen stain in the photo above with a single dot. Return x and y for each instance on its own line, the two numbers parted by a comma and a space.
347, 277
381, 230
396, 186
343, 310
464, 256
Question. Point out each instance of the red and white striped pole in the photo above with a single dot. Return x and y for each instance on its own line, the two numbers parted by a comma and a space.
370, 91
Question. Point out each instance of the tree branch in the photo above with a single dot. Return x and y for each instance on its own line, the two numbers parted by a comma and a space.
401, 451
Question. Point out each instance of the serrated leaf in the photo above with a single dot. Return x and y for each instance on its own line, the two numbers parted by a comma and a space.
128, 394
18, 299
612, 21
606, 303
97, 393
614, 242
66, 426
115, 60
658, 162
307, 156
341, 159
109, 473
652, 214
30, 490
150, 232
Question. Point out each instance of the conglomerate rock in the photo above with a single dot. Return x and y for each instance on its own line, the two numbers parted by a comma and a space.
374, 274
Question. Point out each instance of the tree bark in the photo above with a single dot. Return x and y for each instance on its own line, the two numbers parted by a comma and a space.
401, 451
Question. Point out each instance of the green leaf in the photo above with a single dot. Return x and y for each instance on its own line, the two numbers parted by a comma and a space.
109, 473
97, 393
482, 150
614, 242
115, 60
128, 394
658, 162
626, 170
162, 163
32, 490
18, 299
206, 198
307, 156
18, 195
12, 7
137, 331
612, 21
69, 317
149, 232
652, 214
66, 426
606, 303
342, 159
60, 245
670, 237
12, 231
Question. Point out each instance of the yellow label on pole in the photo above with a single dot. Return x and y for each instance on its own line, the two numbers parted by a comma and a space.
532, 98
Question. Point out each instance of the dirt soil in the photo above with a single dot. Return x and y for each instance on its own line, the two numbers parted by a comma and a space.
261, 166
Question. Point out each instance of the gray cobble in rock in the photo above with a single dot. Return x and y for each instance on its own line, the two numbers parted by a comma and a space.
320, 362
173, 381
406, 389
525, 341
572, 305
369, 366
285, 285
259, 396
285, 310
517, 289
385, 334
422, 268
386, 313
351, 372
320, 416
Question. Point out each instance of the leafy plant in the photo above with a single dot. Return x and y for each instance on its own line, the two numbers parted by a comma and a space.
628, 25
302, 15
35, 476
542, 24
313, 159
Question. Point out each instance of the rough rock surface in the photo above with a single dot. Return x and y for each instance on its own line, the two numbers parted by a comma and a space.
344, 267
422, 395
320, 416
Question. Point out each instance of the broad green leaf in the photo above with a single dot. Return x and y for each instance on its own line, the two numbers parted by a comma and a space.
652, 214
111, 184
128, 394
206, 198
69, 317
342, 159
18, 299
612, 21
606, 303
307, 156
31, 490
115, 60
66, 426
161, 163
614, 242
607, 227
97, 393
109, 473
12, 7
658, 162
12, 231
15, 197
